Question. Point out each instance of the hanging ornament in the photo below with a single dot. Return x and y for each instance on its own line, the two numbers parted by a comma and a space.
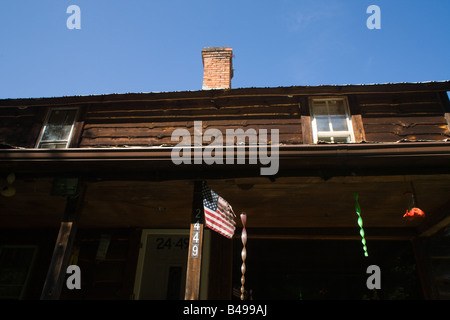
412, 211
360, 224
243, 253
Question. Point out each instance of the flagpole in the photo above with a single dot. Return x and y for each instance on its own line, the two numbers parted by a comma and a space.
195, 245
243, 253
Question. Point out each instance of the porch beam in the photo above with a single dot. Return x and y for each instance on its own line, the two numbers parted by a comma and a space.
194, 264
63, 246
364, 159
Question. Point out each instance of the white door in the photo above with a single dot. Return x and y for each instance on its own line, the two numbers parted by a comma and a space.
161, 272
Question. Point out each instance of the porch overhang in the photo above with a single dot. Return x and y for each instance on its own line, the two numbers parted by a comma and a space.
310, 160
311, 196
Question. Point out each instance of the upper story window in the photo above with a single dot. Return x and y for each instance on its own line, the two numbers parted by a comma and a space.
58, 128
331, 120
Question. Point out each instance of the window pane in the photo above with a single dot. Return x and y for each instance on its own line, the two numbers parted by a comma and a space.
52, 145
336, 107
339, 122
320, 109
59, 125
325, 139
341, 139
322, 123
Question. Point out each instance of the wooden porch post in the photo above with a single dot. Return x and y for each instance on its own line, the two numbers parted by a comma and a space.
63, 246
195, 246
420, 248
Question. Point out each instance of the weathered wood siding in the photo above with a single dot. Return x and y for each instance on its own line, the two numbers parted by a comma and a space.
149, 124
409, 116
19, 127
385, 118
136, 122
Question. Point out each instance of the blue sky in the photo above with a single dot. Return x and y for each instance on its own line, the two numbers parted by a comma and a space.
154, 46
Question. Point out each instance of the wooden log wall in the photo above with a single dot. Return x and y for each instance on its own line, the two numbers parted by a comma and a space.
396, 117
383, 117
20, 127
152, 124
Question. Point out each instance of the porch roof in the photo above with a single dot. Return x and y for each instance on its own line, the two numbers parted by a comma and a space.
310, 197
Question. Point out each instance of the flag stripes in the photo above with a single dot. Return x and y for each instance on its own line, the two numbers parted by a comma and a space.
219, 215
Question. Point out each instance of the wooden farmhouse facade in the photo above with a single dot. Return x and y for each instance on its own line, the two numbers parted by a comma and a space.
91, 181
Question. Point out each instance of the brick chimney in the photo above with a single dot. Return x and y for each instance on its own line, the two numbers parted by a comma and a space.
217, 68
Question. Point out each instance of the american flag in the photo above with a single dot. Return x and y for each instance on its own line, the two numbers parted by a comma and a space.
219, 215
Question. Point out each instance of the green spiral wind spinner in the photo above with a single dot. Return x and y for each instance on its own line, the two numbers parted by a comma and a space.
360, 223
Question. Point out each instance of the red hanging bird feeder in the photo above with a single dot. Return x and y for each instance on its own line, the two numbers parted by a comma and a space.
413, 212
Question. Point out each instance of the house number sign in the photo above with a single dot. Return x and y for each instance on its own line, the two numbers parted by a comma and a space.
195, 240
195, 235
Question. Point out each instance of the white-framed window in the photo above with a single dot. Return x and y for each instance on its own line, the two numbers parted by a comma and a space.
331, 120
58, 128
